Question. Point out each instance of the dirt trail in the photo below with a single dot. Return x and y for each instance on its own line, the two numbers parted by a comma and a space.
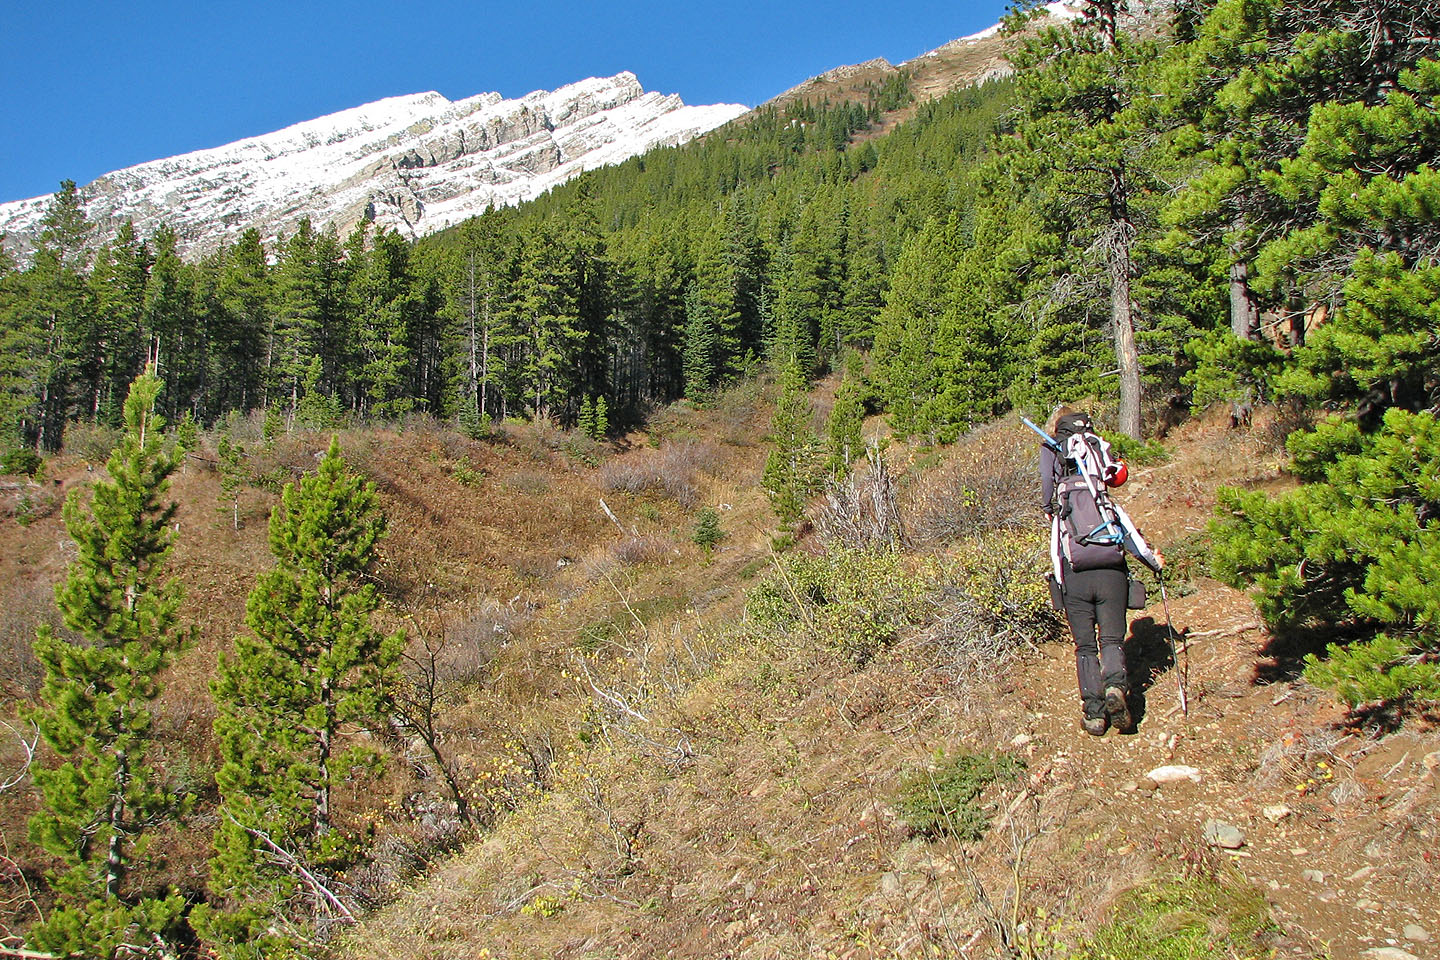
1339, 823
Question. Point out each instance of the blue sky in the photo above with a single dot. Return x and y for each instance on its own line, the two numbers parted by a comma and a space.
90, 86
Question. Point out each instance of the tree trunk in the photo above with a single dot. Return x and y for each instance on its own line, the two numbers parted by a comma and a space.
115, 858
322, 789
1244, 311
1122, 317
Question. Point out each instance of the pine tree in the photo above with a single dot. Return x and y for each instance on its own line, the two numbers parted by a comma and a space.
707, 530
702, 363
313, 671
789, 474
1357, 544
1080, 138
107, 797
585, 422
59, 314
846, 418
602, 419
232, 477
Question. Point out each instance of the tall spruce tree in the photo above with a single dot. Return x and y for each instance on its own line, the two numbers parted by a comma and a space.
107, 796
1080, 143
790, 472
313, 672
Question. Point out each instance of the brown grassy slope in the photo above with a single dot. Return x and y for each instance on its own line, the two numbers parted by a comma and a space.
500, 547
750, 812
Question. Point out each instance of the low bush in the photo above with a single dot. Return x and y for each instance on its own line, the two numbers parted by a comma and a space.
944, 800
993, 602
996, 486
91, 442
633, 551
22, 462
1189, 918
1137, 453
852, 601
671, 471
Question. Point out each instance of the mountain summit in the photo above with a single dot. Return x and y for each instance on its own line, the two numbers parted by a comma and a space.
415, 164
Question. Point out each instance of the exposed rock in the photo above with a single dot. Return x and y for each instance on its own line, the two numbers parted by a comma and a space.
415, 164
1388, 953
890, 884
1415, 933
1217, 833
1314, 876
1173, 773
1276, 813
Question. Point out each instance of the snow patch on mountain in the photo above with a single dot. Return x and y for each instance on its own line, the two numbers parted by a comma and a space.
415, 164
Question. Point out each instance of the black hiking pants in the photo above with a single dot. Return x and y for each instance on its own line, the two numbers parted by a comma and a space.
1095, 606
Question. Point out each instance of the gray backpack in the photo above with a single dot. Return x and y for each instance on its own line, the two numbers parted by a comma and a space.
1091, 535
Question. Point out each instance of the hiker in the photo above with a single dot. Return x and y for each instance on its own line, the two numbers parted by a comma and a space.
1089, 537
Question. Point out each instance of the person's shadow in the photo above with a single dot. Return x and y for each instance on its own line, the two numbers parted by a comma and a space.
1148, 653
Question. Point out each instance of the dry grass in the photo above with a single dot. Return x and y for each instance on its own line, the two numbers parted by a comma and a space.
988, 484
675, 470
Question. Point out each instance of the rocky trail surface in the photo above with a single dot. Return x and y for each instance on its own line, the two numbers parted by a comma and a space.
1333, 818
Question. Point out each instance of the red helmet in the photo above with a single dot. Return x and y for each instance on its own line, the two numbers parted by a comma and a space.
1118, 475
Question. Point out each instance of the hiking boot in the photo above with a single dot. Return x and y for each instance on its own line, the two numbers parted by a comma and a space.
1095, 726
1116, 708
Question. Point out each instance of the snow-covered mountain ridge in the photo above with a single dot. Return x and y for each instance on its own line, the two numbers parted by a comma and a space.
416, 164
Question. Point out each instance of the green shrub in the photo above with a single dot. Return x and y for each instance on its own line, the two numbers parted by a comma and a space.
852, 601
707, 530
1357, 546
944, 800
20, 462
1229, 369
1194, 918
1137, 453
464, 472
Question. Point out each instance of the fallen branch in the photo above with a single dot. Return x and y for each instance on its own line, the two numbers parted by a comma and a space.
29, 747
291, 861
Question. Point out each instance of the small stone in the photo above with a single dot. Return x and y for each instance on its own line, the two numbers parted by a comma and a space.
1220, 834
1415, 933
1021, 739
1130, 786
1369, 906
1388, 953
1431, 762
877, 811
1173, 773
1276, 813
1362, 874
1146, 785
890, 884
1314, 876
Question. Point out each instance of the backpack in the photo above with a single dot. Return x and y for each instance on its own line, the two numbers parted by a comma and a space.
1092, 537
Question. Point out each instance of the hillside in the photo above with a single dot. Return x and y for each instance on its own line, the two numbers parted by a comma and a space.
753, 811
664, 776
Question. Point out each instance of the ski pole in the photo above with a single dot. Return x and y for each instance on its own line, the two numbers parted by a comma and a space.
1181, 675
1050, 441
